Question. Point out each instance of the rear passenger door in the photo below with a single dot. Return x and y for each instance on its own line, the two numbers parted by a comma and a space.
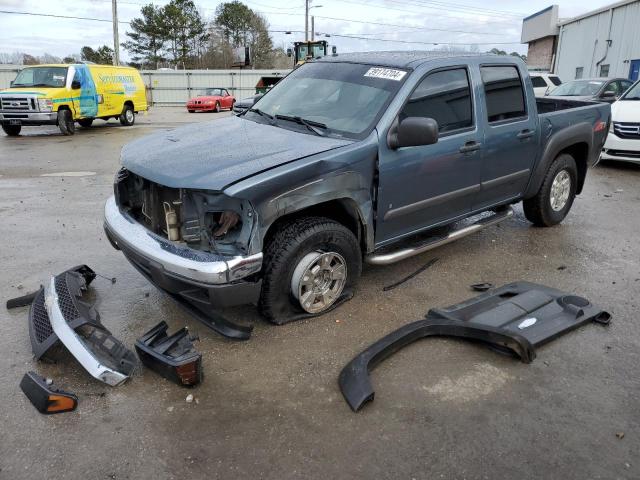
510, 135
423, 185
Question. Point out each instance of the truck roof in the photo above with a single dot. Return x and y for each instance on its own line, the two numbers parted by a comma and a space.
406, 59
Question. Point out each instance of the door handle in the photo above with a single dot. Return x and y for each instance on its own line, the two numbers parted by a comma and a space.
525, 134
470, 146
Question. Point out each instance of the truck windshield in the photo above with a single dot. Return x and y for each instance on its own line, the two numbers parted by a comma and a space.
578, 88
344, 99
41, 77
633, 93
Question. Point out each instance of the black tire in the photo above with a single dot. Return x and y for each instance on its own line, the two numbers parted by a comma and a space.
191, 111
217, 109
538, 209
65, 122
285, 251
85, 122
12, 130
128, 116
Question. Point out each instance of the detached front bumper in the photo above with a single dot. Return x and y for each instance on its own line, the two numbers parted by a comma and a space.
205, 280
28, 118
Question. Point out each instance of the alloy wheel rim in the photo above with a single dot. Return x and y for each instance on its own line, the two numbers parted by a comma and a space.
560, 190
318, 280
129, 115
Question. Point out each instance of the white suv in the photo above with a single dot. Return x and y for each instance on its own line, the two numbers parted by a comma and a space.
544, 82
623, 141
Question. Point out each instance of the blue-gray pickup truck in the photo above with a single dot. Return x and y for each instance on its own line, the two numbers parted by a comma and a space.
349, 159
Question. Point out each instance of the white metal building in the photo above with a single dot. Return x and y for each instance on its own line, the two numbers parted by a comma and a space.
601, 43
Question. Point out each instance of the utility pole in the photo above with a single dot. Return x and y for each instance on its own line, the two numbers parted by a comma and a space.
306, 20
116, 41
313, 28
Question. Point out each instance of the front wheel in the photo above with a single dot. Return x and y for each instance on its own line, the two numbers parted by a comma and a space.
12, 130
309, 264
65, 122
128, 116
556, 195
217, 109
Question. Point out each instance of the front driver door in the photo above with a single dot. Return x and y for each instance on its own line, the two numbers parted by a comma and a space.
425, 185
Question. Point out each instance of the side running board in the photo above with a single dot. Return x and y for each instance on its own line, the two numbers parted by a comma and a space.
387, 258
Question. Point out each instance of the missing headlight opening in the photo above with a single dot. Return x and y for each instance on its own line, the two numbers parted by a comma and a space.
201, 220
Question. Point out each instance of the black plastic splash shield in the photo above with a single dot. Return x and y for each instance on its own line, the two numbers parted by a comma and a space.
516, 318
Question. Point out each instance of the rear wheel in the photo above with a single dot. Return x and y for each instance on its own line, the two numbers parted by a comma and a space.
65, 122
12, 130
191, 111
128, 116
85, 122
217, 109
309, 263
554, 199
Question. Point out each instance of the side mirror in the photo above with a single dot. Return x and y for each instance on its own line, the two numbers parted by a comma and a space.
11, 83
75, 85
334, 50
608, 94
289, 52
413, 132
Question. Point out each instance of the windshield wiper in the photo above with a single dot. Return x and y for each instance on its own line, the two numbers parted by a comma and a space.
271, 118
310, 124
42, 85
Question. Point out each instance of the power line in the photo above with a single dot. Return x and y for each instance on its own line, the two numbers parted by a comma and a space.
406, 26
33, 14
460, 7
358, 37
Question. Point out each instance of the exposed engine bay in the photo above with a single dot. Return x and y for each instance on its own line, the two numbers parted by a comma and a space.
202, 220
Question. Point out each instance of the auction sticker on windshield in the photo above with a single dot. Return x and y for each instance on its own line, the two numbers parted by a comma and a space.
386, 73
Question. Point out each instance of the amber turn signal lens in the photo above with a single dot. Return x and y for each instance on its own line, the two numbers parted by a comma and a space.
60, 403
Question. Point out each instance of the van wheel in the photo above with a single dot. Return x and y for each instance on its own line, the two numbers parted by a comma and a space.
308, 264
554, 199
65, 122
85, 122
12, 130
128, 116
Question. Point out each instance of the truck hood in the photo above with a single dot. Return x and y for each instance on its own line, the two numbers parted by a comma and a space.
626, 111
211, 155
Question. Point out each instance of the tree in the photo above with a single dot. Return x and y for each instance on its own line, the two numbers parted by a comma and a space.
103, 55
241, 26
148, 36
185, 30
495, 51
29, 59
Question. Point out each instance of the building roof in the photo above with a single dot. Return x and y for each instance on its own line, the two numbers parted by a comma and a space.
597, 11
398, 59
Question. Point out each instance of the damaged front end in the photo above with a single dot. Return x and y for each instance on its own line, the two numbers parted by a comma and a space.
192, 244
201, 220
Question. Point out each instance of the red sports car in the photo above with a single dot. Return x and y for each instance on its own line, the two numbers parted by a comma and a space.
211, 99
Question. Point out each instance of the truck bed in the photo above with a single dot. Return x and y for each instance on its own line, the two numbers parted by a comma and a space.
548, 105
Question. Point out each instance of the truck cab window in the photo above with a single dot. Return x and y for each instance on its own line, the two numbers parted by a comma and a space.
444, 96
503, 93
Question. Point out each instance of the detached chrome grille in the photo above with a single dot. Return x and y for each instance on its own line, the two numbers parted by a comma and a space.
627, 130
17, 103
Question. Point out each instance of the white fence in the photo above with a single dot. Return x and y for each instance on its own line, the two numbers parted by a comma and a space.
175, 87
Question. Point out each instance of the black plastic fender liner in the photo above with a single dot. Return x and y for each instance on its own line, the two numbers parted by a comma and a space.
354, 379
515, 318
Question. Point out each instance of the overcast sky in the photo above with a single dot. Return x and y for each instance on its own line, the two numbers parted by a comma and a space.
488, 23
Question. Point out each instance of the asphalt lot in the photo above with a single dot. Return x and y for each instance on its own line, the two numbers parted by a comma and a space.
270, 407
